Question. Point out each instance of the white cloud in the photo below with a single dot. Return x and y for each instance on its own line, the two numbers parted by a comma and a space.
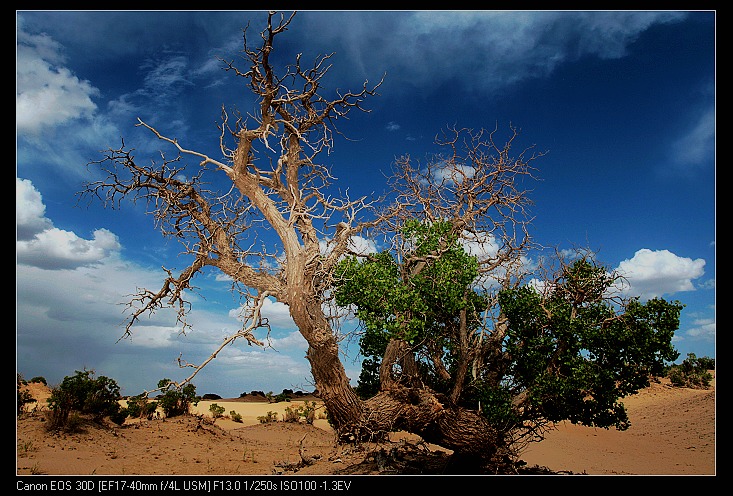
46, 94
698, 144
29, 210
41, 245
276, 313
452, 174
651, 273
362, 246
357, 244
703, 329
58, 249
506, 46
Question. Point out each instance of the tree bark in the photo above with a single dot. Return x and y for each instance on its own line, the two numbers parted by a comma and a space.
432, 417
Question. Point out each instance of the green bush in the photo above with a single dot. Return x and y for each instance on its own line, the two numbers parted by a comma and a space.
216, 410
693, 372
706, 363
266, 419
175, 402
81, 393
119, 416
237, 417
24, 396
306, 412
141, 407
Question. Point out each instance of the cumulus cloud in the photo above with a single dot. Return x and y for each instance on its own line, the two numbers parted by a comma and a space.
652, 273
47, 94
55, 249
85, 306
41, 245
362, 246
30, 211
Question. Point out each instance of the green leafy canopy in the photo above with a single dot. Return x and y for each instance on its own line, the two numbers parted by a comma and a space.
569, 353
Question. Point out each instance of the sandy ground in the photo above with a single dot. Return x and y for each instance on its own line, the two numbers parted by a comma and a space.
673, 432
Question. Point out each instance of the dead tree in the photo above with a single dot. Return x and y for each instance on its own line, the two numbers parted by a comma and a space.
269, 161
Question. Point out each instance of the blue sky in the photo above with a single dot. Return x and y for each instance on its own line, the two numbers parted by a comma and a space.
623, 102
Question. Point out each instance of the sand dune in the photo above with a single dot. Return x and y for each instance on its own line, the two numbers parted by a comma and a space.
672, 432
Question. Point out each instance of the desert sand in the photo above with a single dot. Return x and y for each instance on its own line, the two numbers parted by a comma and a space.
673, 432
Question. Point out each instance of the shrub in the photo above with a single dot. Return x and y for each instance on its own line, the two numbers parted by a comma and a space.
40, 379
73, 423
706, 363
82, 393
119, 416
141, 407
306, 413
216, 410
175, 402
692, 372
24, 396
270, 417
237, 417
284, 396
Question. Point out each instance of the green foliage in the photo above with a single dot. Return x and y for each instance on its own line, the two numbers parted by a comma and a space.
216, 410
119, 416
24, 396
266, 419
417, 306
175, 401
83, 394
305, 413
569, 354
141, 407
39, 379
237, 417
576, 356
693, 372
409, 308
705, 363
280, 397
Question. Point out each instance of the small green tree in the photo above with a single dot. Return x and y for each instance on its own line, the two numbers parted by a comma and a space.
84, 394
174, 401
706, 363
567, 352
